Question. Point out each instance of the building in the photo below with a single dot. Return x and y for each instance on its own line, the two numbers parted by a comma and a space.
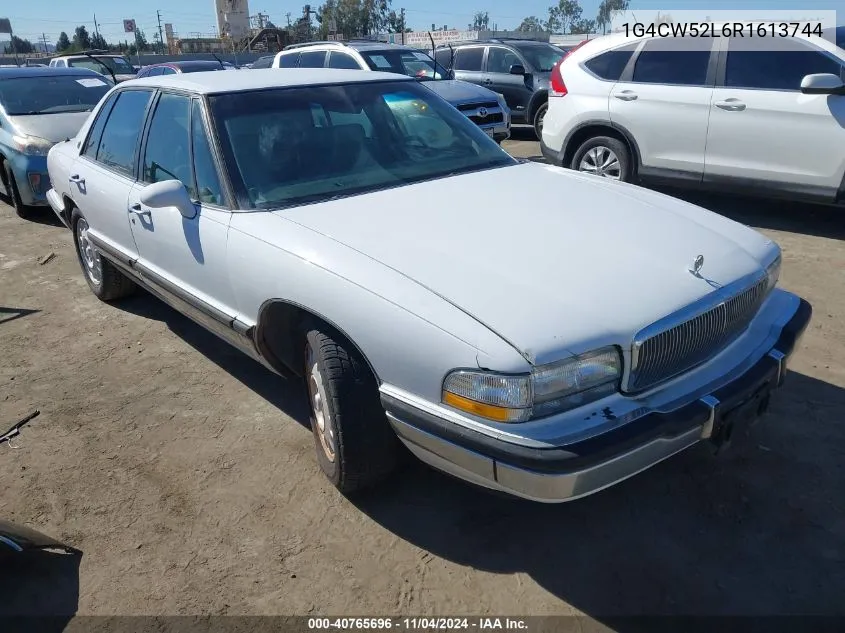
232, 18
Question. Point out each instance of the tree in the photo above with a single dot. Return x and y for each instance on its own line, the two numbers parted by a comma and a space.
583, 26
17, 45
99, 42
606, 10
480, 21
63, 42
81, 39
531, 24
141, 42
565, 14
354, 17
395, 23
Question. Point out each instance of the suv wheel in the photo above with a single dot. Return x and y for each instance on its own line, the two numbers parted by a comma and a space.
539, 117
605, 157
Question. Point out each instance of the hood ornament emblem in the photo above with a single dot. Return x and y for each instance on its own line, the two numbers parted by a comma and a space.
697, 265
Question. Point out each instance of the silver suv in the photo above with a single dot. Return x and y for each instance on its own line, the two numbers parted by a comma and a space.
487, 109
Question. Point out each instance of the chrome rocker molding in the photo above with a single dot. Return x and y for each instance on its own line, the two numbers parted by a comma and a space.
562, 473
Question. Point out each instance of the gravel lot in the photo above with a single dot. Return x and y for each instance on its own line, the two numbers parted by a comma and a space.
185, 473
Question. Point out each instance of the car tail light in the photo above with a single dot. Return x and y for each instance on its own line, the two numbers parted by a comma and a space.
557, 88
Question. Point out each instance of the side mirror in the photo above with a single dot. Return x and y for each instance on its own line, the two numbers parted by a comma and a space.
169, 193
517, 69
822, 84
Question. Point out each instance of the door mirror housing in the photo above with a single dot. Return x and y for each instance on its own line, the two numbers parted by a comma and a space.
169, 193
517, 69
822, 84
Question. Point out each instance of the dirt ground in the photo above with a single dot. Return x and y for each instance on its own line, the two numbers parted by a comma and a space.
186, 474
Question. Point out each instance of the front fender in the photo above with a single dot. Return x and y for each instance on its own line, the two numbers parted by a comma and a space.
410, 336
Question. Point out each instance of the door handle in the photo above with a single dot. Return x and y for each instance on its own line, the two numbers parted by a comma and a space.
731, 105
136, 209
626, 95
487, 81
76, 179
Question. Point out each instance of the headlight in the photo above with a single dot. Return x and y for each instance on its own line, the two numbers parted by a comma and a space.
32, 145
548, 389
502, 103
773, 273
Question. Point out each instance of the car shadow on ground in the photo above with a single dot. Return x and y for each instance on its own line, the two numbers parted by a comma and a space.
36, 215
755, 531
779, 215
285, 394
41, 588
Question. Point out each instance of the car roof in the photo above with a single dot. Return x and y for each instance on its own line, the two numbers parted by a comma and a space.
356, 46
40, 71
216, 82
194, 63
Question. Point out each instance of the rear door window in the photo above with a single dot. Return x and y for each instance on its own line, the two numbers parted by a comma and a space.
469, 58
122, 130
92, 144
287, 61
674, 61
312, 59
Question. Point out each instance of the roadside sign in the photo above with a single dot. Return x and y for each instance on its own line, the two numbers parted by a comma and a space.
5, 26
129, 26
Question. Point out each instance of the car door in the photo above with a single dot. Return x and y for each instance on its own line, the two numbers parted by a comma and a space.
469, 64
662, 100
499, 78
184, 256
763, 129
105, 173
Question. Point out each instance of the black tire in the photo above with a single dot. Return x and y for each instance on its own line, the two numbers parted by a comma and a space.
616, 146
537, 120
365, 448
14, 193
112, 283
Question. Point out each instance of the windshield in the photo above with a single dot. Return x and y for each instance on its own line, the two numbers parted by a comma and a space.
541, 57
412, 63
118, 65
50, 94
290, 146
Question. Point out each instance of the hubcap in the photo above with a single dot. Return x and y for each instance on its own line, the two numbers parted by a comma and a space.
601, 161
89, 254
541, 119
320, 408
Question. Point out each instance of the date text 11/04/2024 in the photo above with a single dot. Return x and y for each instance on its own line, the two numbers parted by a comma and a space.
422, 623
729, 29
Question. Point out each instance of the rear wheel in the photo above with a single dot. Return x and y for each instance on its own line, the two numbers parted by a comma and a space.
104, 279
14, 193
539, 118
604, 156
356, 448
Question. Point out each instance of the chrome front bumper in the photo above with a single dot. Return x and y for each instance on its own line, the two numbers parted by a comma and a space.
564, 473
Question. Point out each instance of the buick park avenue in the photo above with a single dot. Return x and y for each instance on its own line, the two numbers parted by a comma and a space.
355, 230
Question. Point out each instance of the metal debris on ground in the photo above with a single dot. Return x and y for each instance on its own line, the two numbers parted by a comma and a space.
46, 258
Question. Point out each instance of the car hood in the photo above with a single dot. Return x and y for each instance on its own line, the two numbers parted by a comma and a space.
51, 127
555, 262
455, 91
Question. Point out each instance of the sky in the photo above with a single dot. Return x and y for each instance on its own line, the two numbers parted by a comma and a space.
32, 18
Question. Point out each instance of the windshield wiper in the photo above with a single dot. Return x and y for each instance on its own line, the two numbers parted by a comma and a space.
104, 65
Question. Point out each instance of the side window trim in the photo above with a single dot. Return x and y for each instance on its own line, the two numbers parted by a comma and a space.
722, 69
145, 131
709, 81
225, 204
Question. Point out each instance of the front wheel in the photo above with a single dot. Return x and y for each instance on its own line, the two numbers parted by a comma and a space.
605, 157
14, 193
356, 448
539, 118
105, 281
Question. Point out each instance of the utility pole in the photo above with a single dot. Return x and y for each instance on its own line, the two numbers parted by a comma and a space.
160, 36
402, 23
44, 41
96, 27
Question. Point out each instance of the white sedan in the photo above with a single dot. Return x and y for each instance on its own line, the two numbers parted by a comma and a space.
530, 329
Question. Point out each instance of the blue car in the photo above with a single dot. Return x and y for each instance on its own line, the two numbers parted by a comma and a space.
38, 108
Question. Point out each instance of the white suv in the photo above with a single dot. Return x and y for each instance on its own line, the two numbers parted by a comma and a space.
762, 115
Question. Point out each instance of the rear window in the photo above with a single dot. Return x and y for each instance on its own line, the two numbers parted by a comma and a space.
609, 65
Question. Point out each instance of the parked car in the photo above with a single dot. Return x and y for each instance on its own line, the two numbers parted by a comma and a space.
40, 107
483, 107
517, 69
175, 68
757, 115
100, 61
292, 215
262, 62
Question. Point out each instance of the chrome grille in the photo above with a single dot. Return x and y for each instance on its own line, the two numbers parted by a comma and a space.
661, 353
